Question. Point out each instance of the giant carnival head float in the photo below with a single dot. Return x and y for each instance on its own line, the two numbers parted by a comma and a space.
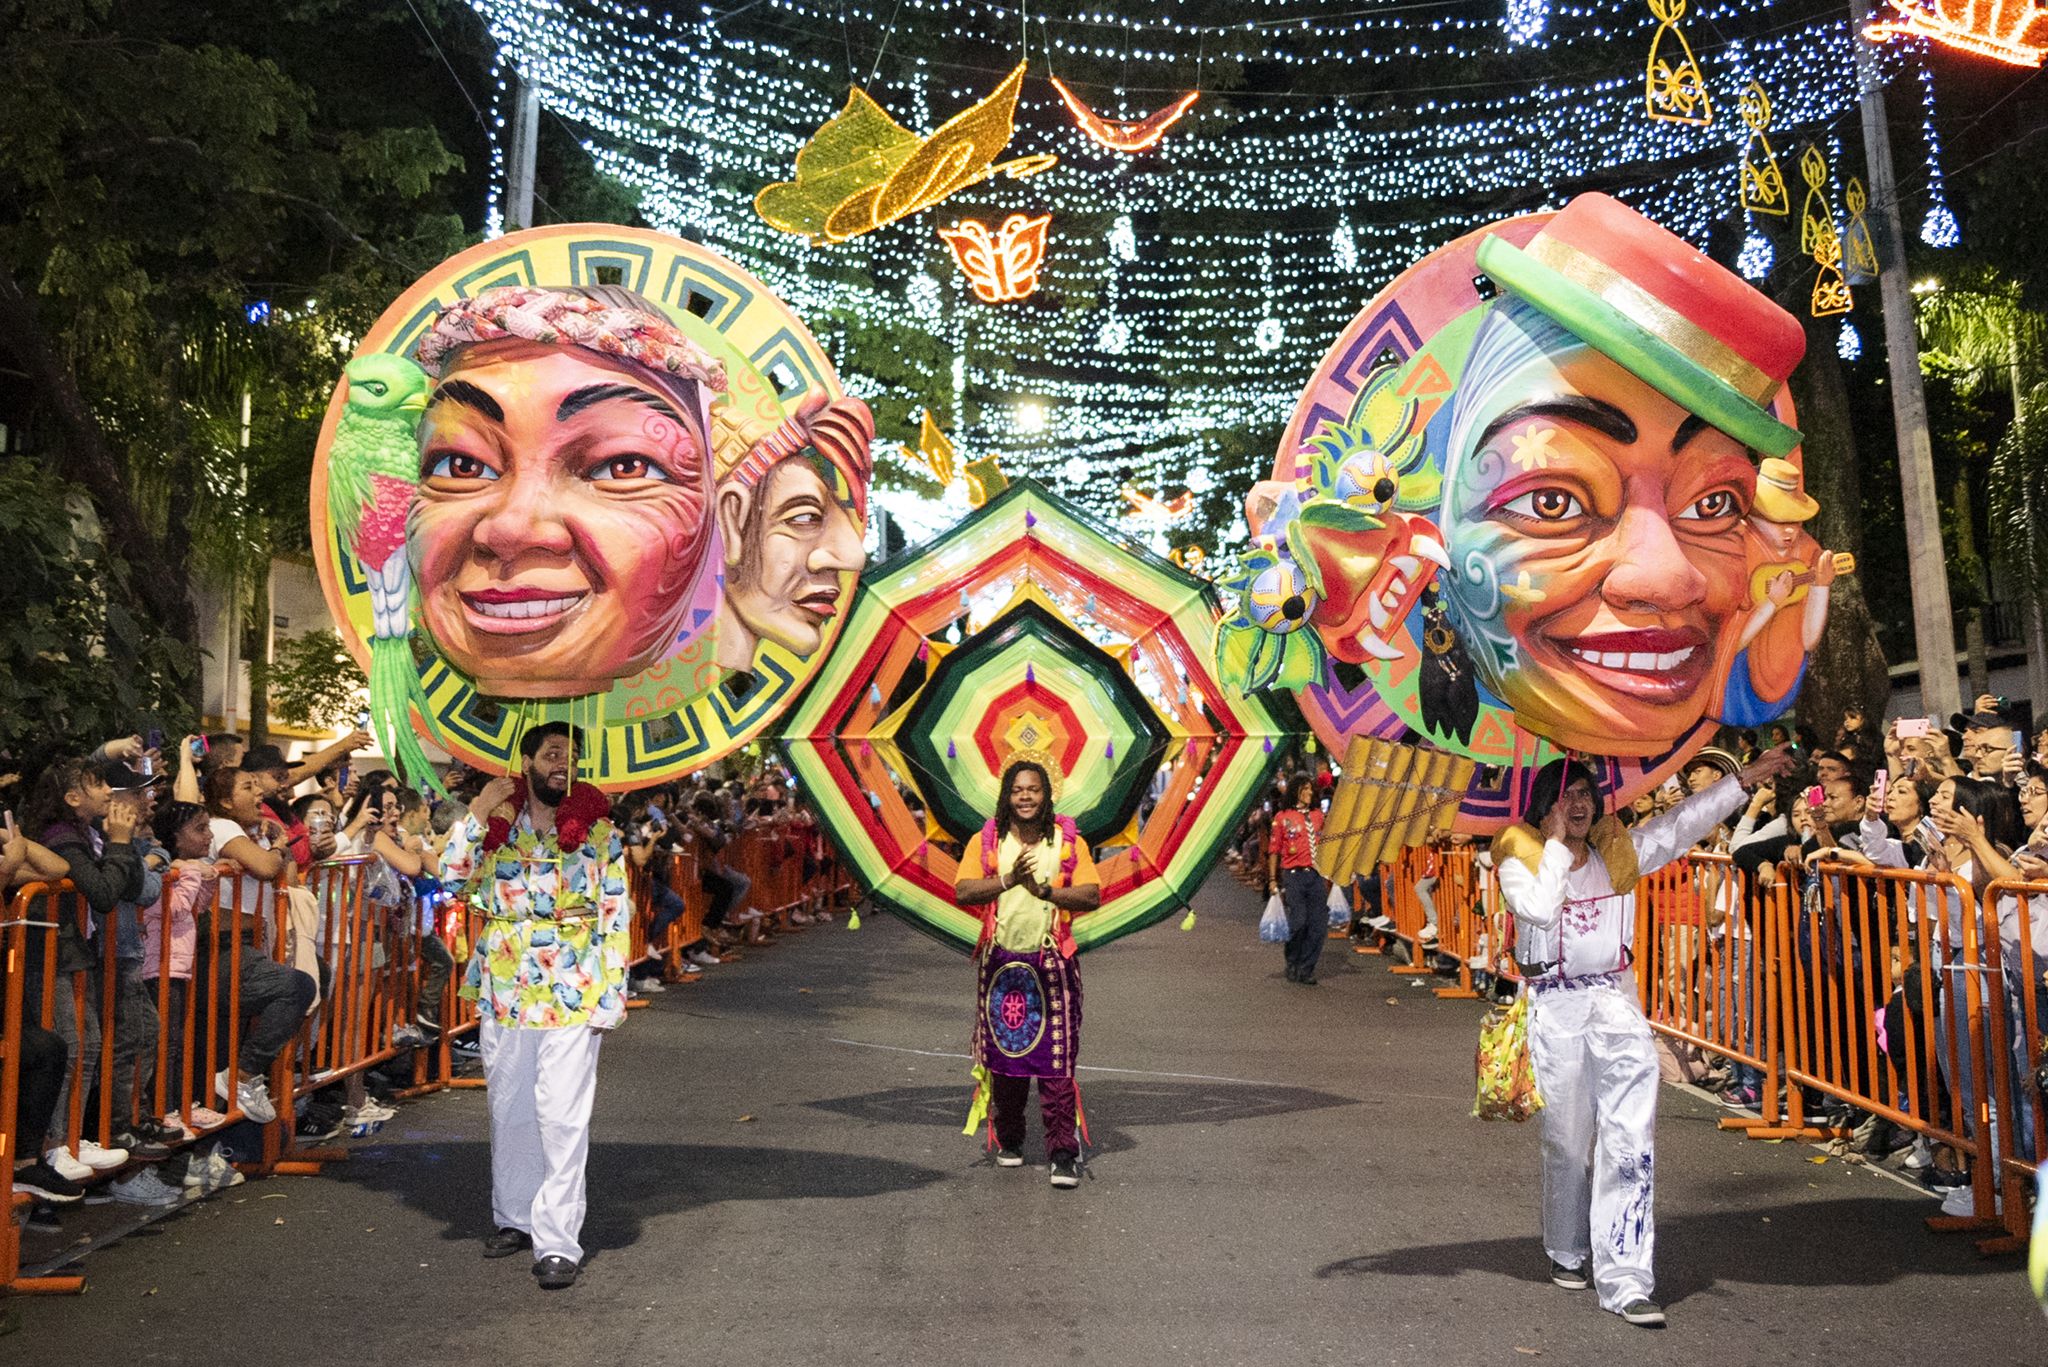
589, 506
1533, 502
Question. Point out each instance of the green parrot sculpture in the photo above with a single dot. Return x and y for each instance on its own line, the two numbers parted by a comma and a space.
373, 467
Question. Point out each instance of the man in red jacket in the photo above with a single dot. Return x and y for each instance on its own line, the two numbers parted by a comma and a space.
1291, 872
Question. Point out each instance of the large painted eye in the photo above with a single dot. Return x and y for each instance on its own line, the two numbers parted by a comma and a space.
1719, 504
458, 465
626, 468
1545, 505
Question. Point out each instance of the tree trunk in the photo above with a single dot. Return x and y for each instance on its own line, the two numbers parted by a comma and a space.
1847, 668
256, 650
1973, 620
84, 457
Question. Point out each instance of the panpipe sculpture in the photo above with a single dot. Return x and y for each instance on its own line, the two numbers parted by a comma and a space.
1391, 796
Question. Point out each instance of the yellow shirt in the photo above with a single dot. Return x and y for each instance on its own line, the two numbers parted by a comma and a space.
1024, 922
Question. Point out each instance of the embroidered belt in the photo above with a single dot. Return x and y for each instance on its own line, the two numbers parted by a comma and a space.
1561, 983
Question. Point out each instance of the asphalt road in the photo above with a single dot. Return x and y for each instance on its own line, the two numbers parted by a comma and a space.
1283, 1175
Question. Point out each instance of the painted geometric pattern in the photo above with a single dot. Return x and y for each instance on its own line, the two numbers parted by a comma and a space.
1028, 556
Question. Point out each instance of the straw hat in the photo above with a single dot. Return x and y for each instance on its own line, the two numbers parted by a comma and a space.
1781, 492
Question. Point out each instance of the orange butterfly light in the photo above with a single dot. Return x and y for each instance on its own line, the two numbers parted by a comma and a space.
1004, 265
2005, 30
1134, 135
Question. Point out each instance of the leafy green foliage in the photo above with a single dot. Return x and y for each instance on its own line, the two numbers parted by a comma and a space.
78, 662
315, 682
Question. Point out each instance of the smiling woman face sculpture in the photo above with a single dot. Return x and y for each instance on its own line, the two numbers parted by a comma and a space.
1594, 529
563, 526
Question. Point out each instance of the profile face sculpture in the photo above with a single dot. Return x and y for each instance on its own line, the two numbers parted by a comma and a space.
787, 542
563, 516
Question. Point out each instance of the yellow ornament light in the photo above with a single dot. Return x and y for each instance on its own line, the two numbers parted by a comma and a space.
1673, 87
1816, 219
1859, 249
863, 170
1763, 181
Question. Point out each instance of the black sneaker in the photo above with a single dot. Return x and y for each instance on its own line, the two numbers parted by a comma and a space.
42, 1218
41, 1180
1644, 1314
141, 1149
1307, 980
1009, 1158
1570, 1278
1066, 1172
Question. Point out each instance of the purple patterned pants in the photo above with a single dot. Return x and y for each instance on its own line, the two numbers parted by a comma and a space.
1055, 1100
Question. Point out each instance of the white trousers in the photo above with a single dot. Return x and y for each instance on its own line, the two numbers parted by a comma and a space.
1597, 1070
541, 1084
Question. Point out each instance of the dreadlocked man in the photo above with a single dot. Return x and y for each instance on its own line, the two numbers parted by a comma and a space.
1028, 871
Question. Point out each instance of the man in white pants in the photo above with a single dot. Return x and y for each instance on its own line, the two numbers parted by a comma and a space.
538, 856
1569, 877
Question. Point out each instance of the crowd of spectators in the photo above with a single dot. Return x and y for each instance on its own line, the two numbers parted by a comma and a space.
190, 862
1968, 798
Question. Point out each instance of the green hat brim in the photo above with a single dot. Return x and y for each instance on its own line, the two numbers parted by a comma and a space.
1636, 349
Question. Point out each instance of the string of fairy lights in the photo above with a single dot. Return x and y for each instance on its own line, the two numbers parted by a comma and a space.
1215, 267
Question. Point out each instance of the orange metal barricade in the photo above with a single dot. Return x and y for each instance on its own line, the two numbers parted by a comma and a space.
27, 934
1705, 967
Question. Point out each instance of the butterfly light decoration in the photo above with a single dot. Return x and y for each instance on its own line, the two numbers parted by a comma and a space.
1003, 265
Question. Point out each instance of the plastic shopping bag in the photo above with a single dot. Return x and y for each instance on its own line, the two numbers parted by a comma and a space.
1340, 907
1273, 925
1507, 1078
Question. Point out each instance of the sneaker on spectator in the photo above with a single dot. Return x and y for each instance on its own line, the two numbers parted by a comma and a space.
42, 1218
1742, 1098
690, 970
41, 1180
1961, 1201
252, 1097
648, 986
207, 1118
314, 1128
703, 958
140, 1148
409, 1036
67, 1167
99, 1159
145, 1188
1945, 1179
1380, 922
221, 1174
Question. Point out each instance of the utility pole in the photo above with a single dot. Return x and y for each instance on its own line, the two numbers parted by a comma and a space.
1927, 565
525, 151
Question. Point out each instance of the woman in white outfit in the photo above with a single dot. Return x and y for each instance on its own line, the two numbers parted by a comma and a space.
1569, 877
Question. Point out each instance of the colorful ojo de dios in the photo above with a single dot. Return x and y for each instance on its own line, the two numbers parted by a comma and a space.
1072, 642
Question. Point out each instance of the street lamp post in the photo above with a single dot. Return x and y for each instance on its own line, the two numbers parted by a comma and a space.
1927, 566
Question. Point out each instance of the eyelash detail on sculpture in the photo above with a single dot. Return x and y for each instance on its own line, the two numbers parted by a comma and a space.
597, 473
438, 462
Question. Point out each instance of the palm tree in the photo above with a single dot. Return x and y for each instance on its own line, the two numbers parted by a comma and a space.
1980, 336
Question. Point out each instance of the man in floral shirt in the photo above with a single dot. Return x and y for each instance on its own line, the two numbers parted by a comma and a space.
539, 858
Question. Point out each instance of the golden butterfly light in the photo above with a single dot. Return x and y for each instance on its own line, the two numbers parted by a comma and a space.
1001, 265
863, 170
2010, 31
1763, 181
1859, 249
1673, 87
1124, 135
